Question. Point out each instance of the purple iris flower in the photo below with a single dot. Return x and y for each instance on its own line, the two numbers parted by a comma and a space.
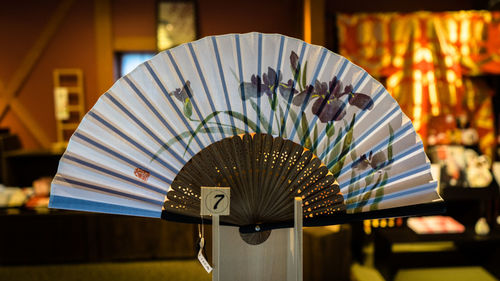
184, 93
287, 89
359, 100
373, 160
271, 79
333, 110
299, 99
328, 106
294, 61
258, 86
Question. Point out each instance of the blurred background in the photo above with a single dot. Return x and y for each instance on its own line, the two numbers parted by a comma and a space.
439, 59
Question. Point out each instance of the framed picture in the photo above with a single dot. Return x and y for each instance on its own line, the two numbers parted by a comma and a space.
176, 23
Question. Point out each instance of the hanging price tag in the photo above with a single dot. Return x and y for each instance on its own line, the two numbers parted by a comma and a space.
202, 258
215, 201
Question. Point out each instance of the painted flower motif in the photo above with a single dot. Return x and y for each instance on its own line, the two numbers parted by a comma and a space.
359, 100
298, 100
251, 89
287, 89
331, 111
335, 86
373, 161
294, 61
328, 106
258, 86
271, 79
185, 93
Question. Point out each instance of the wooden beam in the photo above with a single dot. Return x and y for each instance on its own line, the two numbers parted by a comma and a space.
307, 21
314, 21
104, 44
131, 44
318, 8
31, 123
21, 74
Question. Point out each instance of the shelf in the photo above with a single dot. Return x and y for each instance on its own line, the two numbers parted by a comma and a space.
400, 248
68, 236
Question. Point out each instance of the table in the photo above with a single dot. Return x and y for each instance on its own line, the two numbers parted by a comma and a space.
398, 248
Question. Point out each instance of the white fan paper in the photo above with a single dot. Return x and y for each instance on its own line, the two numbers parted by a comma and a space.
132, 144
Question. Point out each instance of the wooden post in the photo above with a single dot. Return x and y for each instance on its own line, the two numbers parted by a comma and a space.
215, 248
298, 215
277, 258
103, 44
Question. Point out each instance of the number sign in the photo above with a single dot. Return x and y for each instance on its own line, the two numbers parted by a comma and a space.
215, 201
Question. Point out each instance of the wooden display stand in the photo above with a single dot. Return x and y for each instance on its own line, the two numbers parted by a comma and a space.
277, 258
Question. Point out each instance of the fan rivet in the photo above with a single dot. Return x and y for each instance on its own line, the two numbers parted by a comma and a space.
257, 228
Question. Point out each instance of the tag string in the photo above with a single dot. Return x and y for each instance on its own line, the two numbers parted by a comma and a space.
201, 257
201, 229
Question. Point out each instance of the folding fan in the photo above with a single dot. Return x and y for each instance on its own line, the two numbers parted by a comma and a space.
269, 116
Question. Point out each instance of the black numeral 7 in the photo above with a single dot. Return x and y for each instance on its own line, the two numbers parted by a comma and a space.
220, 196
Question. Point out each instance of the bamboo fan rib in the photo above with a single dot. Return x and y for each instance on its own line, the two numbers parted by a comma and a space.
270, 116
264, 174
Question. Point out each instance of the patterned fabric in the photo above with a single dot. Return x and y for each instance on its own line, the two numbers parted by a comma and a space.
424, 57
479, 107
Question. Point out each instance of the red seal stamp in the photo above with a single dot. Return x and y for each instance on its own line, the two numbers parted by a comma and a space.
140, 173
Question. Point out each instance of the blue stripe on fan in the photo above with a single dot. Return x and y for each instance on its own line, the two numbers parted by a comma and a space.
259, 74
385, 142
193, 100
397, 157
276, 84
130, 140
86, 205
342, 68
169, 98
240, 72
290, 98
306, 100
223, 82
408, 173
89, 185
112, 152
102, 169
205, 87
344, 130
356, 87
315, 117
150, 106
404, 193
148, 131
